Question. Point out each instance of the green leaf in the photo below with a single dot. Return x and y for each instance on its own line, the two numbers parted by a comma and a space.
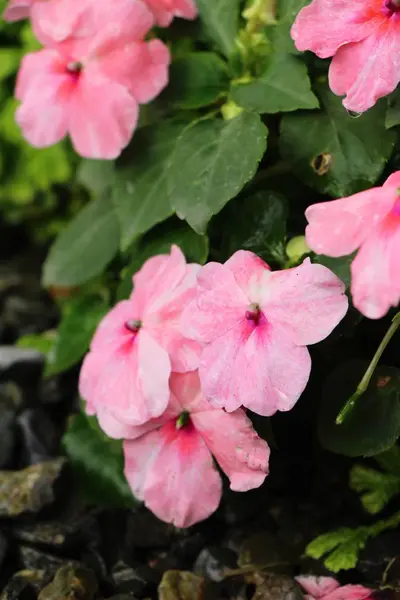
283, 86
221, 22
9, 61
393, 110
196, 80
96, 175
374, 424
343, 546
280, 34
85, 247
219, 157
43, 342
376, 488
390, 460
331, 151
340, 266
140, 194
257, 223
78, 324
158, 241
97, 462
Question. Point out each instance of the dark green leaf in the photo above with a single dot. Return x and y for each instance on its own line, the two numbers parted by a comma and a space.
376, 488
331, 151
158, 241
374, 423
393, 110
96, 175
221, 22
257, 223
43, 342
283, 86
85, 247
197, 79
97, 462
140, 193
78, 324
219, 157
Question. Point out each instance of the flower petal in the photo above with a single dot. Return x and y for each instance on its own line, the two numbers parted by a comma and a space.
350, 592
317, 587
239, 451
307, 301
325, 25
101, 129
173, 472
249, 271
339, 227
367, 71
45, 90
375, 284
17, 10
165, 10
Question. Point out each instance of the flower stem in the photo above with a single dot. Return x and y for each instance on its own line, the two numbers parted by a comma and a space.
365, 381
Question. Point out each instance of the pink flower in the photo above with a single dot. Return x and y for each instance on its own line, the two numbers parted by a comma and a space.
327, 588
165, 10
256, 325
138, 343
363, 37
369, 221
169, 464
17, 10
60, 87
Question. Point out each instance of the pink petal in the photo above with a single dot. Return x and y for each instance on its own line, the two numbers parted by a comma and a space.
220, 304
111, 331
366, 71
185, 388
165, 10
239, 451
55, 20
317, 587
249, 271
375, 284
257, 368
142, 67
325, 25
44, 89
307, 301
339, 227
350, 592
173, 472
101, 129
393, 180
17, 10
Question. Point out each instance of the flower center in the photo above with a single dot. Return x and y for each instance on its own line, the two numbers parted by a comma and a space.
182, 420
133, 325
391, 6
253, 313
74, 68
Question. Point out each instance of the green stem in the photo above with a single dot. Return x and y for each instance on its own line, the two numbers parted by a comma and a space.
365, 381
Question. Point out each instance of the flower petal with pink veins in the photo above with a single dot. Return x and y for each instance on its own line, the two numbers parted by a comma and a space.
239, 451
350, 592
249, 271
317, 587
185, 388
101, 129
219, 306
165, 10
173, 472
111, 332
307, 302
257, 368
375, 274
367, 70
44, 89
339, 227
325, 25
17, 10
55, 20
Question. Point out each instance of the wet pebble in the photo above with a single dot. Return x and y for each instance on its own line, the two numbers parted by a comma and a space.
70, 583
270, 586
24, 585
40, 438
20, 364
140, 580
10, 397
30, 489
214, 563
181, 585
35, 559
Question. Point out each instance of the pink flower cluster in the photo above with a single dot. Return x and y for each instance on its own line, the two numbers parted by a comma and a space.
327, 588
94, 71
170, 368
363, 36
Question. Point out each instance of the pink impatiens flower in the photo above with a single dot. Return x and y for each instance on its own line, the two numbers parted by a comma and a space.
138, 344
369, 221
327, 588
165, 10
169, 464
256, 325
90, 86
363, 36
